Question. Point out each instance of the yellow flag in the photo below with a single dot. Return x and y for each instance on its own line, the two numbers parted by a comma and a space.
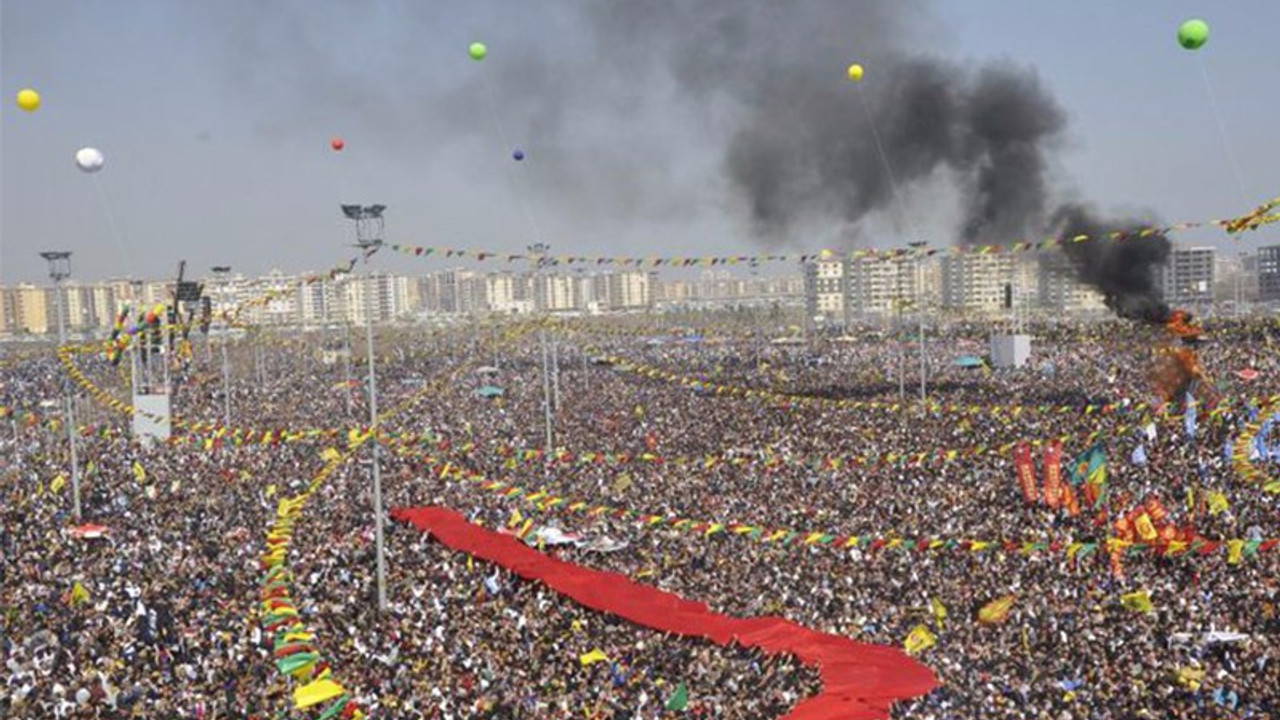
1146, 530
139, 472
1235, 552
316, 692
330, 454
1139, 601
1190, 677
270, 490
79, 594
1217, 502
516, 518
997, 611
594, 656
939, 611
58, 483
919, 640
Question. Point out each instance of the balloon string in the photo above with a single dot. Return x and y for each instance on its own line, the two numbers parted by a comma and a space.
1222, 129
517, 187
898, 202
112, 226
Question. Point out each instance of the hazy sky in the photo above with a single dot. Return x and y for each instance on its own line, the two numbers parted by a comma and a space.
215, 119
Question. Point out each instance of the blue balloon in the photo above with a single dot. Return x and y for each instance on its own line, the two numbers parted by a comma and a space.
518, 155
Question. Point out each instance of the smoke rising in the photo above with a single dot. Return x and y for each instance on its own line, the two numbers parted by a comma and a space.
1122, 269
643, 110
800, 143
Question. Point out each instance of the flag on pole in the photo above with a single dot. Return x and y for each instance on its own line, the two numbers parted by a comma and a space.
679, 700
78, 594
315, 693
919, 640
939, 611
595, 656
1139, 456
997, 611
1139, 601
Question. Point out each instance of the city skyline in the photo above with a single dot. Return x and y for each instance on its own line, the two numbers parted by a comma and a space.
312, 300
216, 120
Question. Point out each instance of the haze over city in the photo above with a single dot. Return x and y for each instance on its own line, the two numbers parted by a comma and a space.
215, 120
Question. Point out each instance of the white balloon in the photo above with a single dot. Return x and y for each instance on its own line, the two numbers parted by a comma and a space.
82, 696
90, 159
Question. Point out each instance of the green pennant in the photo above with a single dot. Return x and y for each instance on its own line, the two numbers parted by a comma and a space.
679, 700
337, 707
288, 665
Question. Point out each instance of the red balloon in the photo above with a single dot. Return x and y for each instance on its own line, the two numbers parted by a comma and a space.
337, 143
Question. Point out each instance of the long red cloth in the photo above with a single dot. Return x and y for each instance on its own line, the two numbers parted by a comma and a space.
858, 680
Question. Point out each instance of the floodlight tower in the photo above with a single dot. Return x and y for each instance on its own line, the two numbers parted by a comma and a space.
59, 270
369, 229
538, 252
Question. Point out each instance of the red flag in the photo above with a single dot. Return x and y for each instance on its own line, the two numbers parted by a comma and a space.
1069, 500
1026, 468
1156, 509
1053, 474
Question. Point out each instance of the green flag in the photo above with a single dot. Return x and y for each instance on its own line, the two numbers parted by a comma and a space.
680, 699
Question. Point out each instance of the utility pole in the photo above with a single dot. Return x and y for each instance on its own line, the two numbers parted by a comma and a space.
919, 247
555, 373
369, 226
221, 272
902, 348
59, 270
539, 252
546, 392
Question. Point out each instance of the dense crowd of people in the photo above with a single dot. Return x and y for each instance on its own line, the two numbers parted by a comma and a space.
158, 618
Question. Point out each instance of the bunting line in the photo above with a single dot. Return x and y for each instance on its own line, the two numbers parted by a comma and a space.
1264, 214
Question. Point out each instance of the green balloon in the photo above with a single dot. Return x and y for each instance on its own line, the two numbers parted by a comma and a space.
1193, 34
478, 51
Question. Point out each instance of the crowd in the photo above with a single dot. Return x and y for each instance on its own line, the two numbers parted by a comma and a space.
158, 618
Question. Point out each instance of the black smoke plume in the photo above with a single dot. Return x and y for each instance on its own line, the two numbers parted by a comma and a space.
804, 145
1122, 268
629, 103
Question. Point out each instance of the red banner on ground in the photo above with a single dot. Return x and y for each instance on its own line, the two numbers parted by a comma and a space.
859, 681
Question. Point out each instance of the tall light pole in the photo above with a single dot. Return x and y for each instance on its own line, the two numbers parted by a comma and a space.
539, 252
902, 348
369, 226
222, 272
919, 247
59, 270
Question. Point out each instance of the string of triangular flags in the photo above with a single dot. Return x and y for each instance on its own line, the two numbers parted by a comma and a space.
1148, 411
1262, 215
548, 501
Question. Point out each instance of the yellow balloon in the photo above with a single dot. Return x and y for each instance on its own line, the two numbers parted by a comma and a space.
28, 99
855, 72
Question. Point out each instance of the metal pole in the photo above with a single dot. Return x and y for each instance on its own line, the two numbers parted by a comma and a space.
373, 427
919, 246
346, 347
70, 407
555, 373
902, 349
546, 391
